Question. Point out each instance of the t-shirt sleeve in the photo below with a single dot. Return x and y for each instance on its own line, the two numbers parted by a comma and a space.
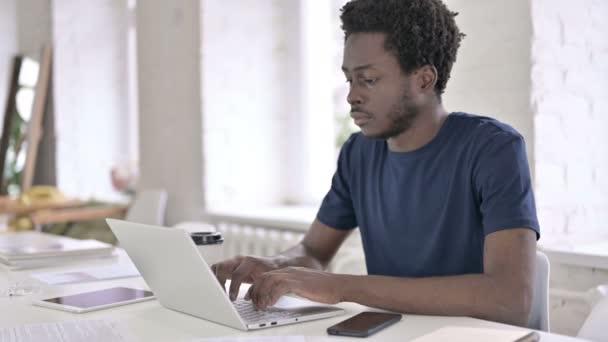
503, 185
337, 210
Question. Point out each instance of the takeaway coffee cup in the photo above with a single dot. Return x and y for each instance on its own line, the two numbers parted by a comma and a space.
210, 245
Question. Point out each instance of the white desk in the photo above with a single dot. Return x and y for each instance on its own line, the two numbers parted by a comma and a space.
149, 321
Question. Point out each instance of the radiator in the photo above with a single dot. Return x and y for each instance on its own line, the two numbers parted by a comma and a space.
242, 239
251, 236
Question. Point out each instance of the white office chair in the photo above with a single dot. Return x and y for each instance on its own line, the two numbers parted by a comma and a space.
195, 227
594, 328
539, 316
148, 207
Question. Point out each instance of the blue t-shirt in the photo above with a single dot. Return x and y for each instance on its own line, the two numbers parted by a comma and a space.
426, 212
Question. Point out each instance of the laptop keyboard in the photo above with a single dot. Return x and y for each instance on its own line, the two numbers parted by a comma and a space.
247, 310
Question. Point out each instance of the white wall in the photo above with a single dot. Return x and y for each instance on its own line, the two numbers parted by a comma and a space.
33, 26
243, 88
169, 73
90, 88
569, 88
491, 76
8, 47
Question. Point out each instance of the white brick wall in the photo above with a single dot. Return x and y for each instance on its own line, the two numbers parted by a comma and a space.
569, 83
569, 87
541, 68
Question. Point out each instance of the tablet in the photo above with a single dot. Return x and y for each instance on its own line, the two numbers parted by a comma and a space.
96, 300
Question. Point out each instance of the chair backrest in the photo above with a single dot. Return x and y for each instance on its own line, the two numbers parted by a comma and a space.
148, 207
539, 315
195, 227
594, 327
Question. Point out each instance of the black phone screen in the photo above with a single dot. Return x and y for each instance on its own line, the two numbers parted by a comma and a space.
364, 324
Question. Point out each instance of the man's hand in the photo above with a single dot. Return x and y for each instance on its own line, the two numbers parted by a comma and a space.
314, 252
242, 270
309, 283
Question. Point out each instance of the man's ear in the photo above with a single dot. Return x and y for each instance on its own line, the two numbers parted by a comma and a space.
427, 78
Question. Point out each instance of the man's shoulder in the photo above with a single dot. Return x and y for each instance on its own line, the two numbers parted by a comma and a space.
357, 142
485, 138
484, 129
358, 149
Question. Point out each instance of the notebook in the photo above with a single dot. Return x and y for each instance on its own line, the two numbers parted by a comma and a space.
466, 334
27, 248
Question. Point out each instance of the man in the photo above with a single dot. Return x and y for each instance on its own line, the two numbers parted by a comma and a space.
443, 201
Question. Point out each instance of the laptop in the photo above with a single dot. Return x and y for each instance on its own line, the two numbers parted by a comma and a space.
181, 279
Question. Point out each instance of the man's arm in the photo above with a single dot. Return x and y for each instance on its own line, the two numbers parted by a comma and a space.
503, 293
315, 251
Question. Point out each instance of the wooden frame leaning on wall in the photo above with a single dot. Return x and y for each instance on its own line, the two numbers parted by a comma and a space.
34, 125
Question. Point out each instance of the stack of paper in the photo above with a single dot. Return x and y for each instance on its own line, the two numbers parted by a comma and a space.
32, 249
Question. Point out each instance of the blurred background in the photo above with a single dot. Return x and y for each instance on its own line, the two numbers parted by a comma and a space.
237, 109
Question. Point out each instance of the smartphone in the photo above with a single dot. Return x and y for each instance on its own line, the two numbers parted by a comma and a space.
364, 324
96, 300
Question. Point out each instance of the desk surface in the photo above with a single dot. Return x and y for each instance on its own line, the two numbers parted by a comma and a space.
149, 321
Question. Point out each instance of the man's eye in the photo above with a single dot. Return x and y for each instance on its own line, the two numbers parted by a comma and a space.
370, 81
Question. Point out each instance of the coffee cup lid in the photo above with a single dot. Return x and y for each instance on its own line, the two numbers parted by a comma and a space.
207, 238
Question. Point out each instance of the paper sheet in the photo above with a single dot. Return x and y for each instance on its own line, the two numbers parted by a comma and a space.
254, 339
88, 274
70, 331
464, 334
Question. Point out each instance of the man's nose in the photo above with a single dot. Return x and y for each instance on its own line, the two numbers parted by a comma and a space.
354, 97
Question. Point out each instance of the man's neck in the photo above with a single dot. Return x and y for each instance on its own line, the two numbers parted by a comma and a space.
423, 131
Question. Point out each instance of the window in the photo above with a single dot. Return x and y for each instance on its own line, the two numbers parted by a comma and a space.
274, 104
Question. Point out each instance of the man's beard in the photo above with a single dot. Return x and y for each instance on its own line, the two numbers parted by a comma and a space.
402, 117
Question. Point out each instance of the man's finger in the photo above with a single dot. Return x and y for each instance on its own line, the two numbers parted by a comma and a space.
248, 294
241, 273
224, 270
263, 287
279, 289
255, 289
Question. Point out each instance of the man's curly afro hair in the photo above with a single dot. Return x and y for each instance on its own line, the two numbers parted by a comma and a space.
419, 32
